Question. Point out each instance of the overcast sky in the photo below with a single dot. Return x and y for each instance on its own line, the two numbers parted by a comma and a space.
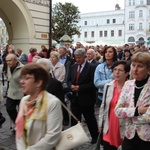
86, 6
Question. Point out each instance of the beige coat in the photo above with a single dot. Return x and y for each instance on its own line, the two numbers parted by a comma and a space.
15, 89
43, 135
59, 72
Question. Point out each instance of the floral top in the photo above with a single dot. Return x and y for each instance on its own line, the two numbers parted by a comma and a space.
126, 108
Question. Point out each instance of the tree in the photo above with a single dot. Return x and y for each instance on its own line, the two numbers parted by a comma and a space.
64, 20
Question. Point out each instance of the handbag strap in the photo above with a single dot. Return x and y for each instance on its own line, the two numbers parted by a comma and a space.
70, 113
105, 96
105, 103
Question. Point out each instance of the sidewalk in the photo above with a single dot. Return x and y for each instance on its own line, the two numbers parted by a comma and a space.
7, 139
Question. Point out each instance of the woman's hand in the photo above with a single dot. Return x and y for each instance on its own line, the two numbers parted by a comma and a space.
99, 130
142, 110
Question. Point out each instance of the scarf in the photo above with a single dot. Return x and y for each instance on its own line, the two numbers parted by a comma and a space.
35, 110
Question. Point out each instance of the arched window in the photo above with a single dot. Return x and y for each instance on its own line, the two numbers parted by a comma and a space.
131, 39
141, 39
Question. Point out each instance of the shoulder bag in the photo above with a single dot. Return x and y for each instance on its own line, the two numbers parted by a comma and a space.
72, 137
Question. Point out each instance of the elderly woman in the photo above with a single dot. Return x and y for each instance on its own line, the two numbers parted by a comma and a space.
113, 138
39, 121
55, 87
134, 104
58, 70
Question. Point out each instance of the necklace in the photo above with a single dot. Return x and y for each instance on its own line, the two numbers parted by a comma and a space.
138, 87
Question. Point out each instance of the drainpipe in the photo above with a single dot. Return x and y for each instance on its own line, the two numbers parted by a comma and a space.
50, 23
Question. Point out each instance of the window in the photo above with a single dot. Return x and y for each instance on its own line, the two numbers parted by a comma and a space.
85, 34
119, 32
114, 20
141, 2
131, 39
129, 2
92, 34
108, 21
105, 33
140, 13
85, 23
131, 14
148, 2
140, 26
79, 35
101, 33
131, 26
149, 26
112, 33
149, 13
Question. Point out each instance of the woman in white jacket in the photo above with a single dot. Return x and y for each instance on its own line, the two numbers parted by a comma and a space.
112, 135
39, 121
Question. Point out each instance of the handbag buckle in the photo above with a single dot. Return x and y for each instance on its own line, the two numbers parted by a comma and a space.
69, 137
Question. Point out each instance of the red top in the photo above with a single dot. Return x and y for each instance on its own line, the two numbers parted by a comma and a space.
113, 134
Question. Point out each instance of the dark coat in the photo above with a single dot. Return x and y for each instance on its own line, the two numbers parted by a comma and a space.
55, 87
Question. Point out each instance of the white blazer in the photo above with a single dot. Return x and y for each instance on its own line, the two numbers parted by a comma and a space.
43, 135
105, 113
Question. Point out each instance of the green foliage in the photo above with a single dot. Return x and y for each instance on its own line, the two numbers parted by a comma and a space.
64, 20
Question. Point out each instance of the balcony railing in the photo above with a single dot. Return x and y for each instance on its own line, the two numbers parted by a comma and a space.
39, 2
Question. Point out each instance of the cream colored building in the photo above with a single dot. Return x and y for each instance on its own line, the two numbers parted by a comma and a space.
137, 22
27, 22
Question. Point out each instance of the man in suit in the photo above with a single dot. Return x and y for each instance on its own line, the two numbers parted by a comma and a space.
67, 61
83, 92
22, 56
91, 57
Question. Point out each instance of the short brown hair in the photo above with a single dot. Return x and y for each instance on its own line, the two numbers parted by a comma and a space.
39, 73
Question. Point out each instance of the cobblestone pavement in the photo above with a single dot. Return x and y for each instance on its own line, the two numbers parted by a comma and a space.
7, 138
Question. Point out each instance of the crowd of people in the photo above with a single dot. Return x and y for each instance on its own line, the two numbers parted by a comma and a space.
115, 79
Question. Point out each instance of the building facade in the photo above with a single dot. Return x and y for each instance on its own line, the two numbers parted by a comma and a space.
106, 26
131, 25
27, 22
137, 22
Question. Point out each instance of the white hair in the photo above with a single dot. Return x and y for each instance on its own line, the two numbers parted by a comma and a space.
45, 62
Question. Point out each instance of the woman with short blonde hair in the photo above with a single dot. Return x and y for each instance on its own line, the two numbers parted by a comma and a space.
58, 70
134, 104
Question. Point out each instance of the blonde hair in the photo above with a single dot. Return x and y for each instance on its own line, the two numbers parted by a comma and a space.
56, 54
142, 57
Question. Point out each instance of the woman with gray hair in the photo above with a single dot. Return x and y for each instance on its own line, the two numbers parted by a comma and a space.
54, 86
58, 70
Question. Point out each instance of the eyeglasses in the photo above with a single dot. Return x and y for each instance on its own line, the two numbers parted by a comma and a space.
25, 78
10, 60
118, 70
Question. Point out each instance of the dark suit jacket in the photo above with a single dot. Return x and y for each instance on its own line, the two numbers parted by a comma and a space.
87, 90
55, 87
23, 58
95, 62
69, 62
